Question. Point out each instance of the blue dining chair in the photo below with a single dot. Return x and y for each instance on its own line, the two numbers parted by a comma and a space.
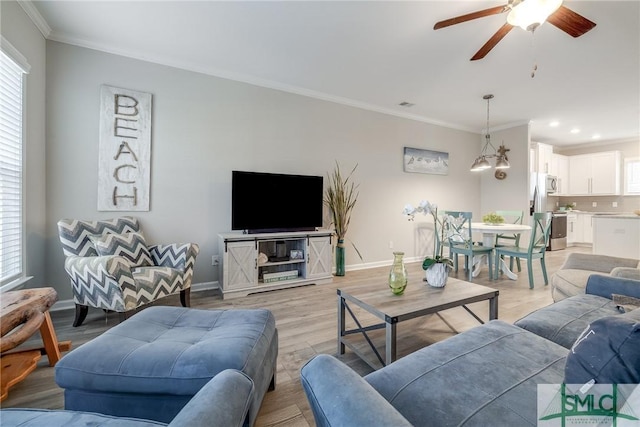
510, 239
460, 239
536, 249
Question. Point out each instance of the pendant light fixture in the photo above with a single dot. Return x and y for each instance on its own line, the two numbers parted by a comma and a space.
481, 163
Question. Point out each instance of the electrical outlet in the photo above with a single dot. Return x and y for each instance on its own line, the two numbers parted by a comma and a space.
614, 204
215, 260
390, 244
594, 204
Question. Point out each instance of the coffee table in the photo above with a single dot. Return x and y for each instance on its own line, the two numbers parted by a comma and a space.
419, 299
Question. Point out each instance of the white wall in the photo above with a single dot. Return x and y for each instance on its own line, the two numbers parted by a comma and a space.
512, 192
18, 29
204, 127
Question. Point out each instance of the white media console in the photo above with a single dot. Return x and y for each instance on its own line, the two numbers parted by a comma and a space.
265, 261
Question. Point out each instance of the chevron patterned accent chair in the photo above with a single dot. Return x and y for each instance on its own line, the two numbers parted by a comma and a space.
112, 268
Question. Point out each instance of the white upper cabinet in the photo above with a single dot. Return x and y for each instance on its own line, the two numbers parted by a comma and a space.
560, 168
595, 174
544, 155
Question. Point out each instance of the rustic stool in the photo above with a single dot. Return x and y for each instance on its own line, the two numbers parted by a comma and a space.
22, 314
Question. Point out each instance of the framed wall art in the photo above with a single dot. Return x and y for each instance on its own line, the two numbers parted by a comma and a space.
417, 160
124, 151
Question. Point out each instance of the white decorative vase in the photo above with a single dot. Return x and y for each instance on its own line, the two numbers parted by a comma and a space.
437, 275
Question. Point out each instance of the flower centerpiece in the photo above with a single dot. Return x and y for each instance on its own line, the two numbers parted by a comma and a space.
492, 218
436, 266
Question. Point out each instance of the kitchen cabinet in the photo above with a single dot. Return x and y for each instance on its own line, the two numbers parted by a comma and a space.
560, 169
595, 174
579, 228
617, 235
544, 155
572, 228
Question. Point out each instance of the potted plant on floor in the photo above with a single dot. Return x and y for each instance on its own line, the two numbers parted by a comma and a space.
340, 197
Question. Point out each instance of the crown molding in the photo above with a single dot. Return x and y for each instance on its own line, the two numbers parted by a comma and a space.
30, 9
252, 80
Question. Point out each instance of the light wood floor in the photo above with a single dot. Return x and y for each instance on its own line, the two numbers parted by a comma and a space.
306, 322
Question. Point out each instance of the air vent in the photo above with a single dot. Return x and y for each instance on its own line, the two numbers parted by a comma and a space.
406, 104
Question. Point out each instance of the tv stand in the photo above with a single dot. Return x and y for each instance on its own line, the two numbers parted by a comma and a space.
267, 261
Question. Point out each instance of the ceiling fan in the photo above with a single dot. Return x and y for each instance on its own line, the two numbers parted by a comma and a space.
527, 14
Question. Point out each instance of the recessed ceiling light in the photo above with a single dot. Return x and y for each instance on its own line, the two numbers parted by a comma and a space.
595, 136
575, 130
406, 104
554, 124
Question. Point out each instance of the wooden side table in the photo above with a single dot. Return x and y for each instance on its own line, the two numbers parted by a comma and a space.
22, 313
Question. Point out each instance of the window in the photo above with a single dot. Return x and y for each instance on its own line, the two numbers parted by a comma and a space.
632, 176
12, 70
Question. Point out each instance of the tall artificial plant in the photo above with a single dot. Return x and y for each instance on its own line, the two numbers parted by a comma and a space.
340, 197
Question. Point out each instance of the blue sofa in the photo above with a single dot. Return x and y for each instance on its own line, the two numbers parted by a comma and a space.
224, 401
488, 375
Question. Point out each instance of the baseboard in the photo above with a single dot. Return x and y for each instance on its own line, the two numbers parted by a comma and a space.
197, 287
68, 304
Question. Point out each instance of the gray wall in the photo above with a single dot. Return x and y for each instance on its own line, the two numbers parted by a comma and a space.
18, 29
204, 127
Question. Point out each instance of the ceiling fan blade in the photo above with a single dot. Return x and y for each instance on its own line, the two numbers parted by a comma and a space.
492, 42
470, 16
570, 22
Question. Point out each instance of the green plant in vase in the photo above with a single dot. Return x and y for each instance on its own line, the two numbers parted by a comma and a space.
340, 197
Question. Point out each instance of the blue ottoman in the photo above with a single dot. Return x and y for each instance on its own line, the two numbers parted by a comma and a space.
152, 364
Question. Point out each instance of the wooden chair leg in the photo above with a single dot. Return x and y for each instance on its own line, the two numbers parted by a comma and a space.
81, 314
185, 297
530, 268
544, 271
50, 340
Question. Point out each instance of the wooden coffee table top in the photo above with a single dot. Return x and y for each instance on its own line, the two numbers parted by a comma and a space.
418, 298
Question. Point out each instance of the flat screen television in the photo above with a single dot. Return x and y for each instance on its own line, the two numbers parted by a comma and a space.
269, 202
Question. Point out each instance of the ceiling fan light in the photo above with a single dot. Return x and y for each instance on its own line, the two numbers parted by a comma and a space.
529, 14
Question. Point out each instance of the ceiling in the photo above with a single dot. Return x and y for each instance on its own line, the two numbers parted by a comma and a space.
378, 54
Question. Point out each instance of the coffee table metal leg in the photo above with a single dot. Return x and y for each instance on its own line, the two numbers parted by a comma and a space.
341, 320
493, 308
390, 341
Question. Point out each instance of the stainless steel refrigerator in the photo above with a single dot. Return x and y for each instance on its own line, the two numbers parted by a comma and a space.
537, 192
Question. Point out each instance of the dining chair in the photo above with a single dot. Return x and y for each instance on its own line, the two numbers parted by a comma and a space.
508, 239
536, 249
459, 235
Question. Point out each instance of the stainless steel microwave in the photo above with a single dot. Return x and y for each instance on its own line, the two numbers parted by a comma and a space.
552, 184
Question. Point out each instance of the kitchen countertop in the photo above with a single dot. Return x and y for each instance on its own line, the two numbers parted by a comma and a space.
620, 216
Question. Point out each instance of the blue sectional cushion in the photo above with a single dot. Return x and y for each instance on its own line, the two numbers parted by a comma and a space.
486, 376
563, 321
608, 352
170, 350
44, 417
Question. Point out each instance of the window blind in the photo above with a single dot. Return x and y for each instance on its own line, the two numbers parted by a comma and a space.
632, 176
11, 118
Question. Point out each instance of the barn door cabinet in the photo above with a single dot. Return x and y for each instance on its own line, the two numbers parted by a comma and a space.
266, 261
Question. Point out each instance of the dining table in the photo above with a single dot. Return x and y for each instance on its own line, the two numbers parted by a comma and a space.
489, 232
